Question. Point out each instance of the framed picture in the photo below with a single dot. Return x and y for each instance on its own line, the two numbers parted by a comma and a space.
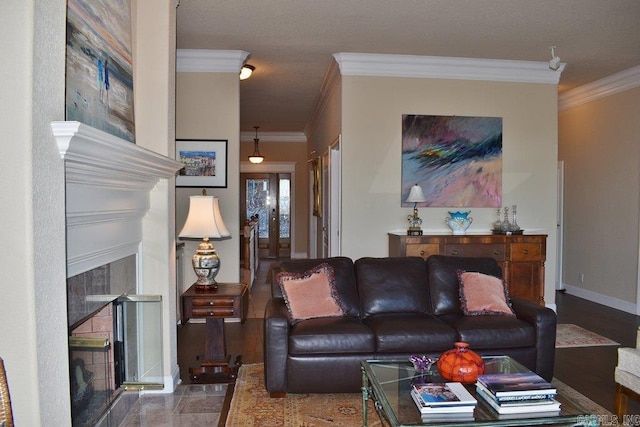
99, 66
457, 160
205, 163
316, 167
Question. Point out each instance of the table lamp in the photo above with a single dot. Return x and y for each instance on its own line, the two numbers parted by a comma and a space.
415, 196
204, 222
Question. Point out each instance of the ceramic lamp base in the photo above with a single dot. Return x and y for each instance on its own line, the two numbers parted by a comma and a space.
206, 264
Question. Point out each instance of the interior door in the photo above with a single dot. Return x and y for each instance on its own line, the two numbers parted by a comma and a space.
268, 196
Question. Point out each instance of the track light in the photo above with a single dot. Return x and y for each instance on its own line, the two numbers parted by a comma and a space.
246, 71
554, 63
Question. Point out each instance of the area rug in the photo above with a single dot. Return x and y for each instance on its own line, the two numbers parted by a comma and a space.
251, 405
570, 335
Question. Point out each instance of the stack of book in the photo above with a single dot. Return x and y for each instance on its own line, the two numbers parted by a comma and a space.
442, 402
520, 394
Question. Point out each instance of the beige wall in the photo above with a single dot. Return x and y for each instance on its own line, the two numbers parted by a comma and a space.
33, 321
599, 144
372, 109
294, 152
208, 107
324, 131
154, 73
33, 324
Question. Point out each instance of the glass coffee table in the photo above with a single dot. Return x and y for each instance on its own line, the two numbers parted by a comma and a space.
388, 384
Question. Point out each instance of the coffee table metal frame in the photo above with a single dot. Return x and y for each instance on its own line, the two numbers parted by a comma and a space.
387, 383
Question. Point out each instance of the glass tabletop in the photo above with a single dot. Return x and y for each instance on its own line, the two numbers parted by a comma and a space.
389, 383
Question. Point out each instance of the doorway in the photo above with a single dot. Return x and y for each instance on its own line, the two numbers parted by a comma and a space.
268, 195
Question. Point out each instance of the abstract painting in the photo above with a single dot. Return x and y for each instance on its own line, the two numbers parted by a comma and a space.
99, 79
456, 160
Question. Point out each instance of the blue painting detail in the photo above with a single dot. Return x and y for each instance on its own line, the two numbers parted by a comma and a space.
99, 72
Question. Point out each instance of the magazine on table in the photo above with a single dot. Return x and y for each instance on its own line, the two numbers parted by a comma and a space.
447, 418
524, 399
552, 407
443, 395
516, 384
442, 410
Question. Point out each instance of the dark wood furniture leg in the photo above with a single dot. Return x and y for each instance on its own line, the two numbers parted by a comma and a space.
216, 366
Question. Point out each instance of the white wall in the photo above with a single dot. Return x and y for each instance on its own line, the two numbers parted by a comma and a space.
372, 109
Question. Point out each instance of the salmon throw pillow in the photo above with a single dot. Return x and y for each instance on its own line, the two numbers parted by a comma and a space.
310, 294
481, 294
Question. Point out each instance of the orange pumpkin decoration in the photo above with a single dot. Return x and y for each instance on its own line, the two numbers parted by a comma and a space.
460, 364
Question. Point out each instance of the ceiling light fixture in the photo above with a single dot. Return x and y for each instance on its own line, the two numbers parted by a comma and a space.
246, 71
256, 157
554, 63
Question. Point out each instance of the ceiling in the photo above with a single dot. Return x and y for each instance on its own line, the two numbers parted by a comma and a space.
291, 42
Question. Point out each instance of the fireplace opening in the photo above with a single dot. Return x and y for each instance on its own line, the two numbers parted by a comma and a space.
115, 339
92, 369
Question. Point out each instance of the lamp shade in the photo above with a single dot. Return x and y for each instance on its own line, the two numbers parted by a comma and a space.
204, 219
416, 195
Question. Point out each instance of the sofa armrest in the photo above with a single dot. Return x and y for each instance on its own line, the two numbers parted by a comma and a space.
276, 292
276, 346
543, 321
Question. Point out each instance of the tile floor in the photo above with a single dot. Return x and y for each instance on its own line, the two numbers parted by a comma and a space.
201, 405
189, 405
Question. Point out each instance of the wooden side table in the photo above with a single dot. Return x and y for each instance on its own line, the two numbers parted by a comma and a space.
230, 300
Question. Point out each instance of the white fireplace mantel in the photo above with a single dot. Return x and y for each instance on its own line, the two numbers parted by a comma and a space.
108, 181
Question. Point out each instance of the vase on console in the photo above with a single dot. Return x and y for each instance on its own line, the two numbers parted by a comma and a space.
458, 222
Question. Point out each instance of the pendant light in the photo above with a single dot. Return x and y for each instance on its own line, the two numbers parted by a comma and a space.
256, 157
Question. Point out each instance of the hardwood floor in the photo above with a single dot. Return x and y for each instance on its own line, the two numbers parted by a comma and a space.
589, 370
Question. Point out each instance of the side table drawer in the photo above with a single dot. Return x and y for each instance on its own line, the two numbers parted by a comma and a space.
493, 250
526, 252
218, 306
212, 302
212, 311
424, 250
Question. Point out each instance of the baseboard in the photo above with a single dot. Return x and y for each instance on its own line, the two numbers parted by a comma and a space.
299, 255
596, 297
170, 383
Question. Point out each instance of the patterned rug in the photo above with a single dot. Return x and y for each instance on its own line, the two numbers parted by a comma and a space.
251, 405
569, 335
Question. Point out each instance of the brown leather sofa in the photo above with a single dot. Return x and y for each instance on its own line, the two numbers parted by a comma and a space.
395, 307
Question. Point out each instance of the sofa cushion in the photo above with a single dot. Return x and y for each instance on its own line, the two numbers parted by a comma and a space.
310, 294
392, 285
407, 333
332, 335
344, 274
492, 332
442, 272
481, 294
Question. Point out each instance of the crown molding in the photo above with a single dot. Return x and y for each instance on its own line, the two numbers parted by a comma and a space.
604, 87
329, 84
440, 67
247, 136
281, 167
210, 61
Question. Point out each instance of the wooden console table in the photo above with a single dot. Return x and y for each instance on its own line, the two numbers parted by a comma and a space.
521, 257
230, 300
